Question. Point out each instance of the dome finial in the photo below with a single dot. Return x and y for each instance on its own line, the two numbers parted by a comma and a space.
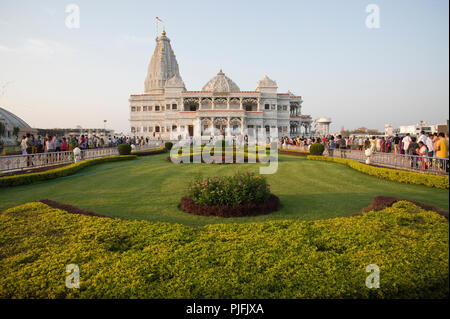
163, 31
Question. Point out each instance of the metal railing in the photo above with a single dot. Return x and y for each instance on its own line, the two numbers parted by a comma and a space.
12, 163
400, 161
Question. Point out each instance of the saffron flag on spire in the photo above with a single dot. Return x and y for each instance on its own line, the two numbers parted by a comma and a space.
158, 19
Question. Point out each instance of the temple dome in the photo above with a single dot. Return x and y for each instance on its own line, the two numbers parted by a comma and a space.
11, 119
221, 83
163, 66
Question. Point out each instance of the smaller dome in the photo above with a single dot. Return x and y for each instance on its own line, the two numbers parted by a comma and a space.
220, 83
12, 119
266, 82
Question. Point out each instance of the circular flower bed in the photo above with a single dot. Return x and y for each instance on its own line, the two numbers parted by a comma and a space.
243, 194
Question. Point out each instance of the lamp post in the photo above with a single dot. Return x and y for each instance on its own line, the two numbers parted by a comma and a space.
104, 128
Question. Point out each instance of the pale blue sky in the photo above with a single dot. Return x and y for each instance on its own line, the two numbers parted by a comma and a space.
321, 50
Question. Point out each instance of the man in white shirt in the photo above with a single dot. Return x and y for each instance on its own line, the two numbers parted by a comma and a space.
429, 143
422, 138
406, 141
23, 145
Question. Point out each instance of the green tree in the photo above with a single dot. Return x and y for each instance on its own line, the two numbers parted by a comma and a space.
15, 131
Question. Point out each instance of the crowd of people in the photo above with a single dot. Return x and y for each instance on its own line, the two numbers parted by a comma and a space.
425, 147
30, 144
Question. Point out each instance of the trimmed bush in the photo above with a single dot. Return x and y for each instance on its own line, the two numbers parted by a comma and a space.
149, 152
124, 149
168, 145
395, 175
24, 179
277, 259
242, 188
316, 149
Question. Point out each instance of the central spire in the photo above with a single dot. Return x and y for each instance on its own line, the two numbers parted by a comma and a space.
162, 67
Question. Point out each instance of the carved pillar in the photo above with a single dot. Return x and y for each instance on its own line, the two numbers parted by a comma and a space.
213, 105
228, 103
199, 103
241, 105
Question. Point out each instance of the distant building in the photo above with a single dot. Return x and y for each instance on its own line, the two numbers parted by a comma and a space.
322, 126
390, 131
9, 121
415, 129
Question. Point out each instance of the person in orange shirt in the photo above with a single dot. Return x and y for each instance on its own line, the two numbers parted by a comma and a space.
441, 148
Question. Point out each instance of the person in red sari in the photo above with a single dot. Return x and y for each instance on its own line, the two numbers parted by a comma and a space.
423, 152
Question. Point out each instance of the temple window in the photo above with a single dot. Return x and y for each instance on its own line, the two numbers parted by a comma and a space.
267, 106
174, 128
144, 108
133, 109
174, 106
156, 107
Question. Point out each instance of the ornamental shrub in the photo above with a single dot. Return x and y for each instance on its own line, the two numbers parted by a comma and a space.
124, 149
168, 145
396, 175
149, 152
316, 149
242, 188
277, 259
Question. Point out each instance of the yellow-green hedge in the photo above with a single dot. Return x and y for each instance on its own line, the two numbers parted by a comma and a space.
396, 175
277, 259
24, 179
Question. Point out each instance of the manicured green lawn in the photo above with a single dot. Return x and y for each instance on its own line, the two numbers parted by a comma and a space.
150, 188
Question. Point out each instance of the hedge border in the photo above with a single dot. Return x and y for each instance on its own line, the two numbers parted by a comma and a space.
71, 209
294, 153
383, 202
430, 180
30, 178
272, 204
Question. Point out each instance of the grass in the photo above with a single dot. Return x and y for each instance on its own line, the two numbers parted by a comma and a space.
150, 188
